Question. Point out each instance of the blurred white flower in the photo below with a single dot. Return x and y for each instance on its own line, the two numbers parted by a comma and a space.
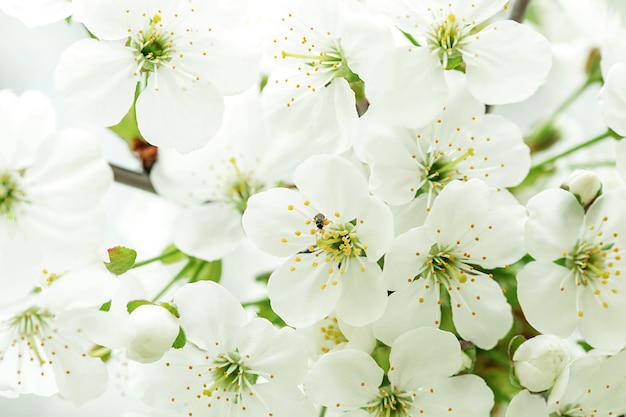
37, 12
173, 57
43, 349
51, 184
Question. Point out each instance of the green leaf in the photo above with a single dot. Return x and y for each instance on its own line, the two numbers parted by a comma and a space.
207, 271
122, 259
106, 306
133, 305
181, 339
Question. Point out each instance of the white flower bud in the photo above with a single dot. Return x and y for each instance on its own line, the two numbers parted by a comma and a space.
585, 185
539, 361
155, 330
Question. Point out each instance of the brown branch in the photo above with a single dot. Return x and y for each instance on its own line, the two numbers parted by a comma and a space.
132, 178
519, 10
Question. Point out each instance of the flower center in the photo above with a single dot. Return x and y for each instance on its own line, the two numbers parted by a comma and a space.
230, 375
153, 45
439, 169
10, 194
443, 266
445, 38
339, 241
390, 403
332, 335
242, 187
27, 327
589, 262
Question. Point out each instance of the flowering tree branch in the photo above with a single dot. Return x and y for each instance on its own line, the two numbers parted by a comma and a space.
132, 178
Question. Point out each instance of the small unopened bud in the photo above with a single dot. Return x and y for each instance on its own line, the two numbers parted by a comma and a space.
585, 185
539, 361
155, 330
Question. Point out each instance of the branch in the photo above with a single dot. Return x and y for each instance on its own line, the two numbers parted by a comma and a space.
519, 10
132, 178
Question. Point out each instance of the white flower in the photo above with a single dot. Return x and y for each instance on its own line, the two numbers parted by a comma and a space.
576, 280
335, 232
420, 380
37, 12
590, 386
42, 348
215, 182
585, 185
230, 366
154, 330
51, 184
451, 251
504, 61
539, 361
173, 54
410, 167
335, 60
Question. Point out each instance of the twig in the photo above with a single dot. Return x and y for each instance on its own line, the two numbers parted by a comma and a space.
132, 178
519, 10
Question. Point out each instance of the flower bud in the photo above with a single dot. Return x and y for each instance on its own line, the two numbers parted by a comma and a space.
539, 361
585, 185
154, 331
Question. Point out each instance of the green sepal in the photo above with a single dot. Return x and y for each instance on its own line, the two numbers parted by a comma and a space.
206, 271
181, 339
133, 305
171, 308
122, 259
106, 306
173, 255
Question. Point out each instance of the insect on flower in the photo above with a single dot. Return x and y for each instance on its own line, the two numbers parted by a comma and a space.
320, 221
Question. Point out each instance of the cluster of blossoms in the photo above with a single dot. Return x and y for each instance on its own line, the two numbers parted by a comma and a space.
418, 248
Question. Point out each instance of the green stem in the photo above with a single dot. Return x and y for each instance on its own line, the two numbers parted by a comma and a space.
608, 133
156, 258
169, 285
322, 411
548, 126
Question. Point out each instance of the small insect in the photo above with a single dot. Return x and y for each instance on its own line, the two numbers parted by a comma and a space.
320, 220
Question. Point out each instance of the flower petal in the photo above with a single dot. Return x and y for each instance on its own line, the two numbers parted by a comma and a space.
506, 62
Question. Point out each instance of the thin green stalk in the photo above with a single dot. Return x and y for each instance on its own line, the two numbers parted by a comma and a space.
322, 411
607, 134
169, 285
547, 127
156, 258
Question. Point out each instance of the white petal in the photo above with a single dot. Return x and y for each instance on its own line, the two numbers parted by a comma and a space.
478, 11
613, 99
333, 184
37, 12
524, 404
98, 80
422, 357
601, 311
417, 92
554, 222
406, 258
344, 379
363, 296
506, 62
546, 307
108, 19
210, 315
374, 227
175, 112
460, 396
407, 309
480, 311
276, 352
208, 232
303, 292
274, 218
